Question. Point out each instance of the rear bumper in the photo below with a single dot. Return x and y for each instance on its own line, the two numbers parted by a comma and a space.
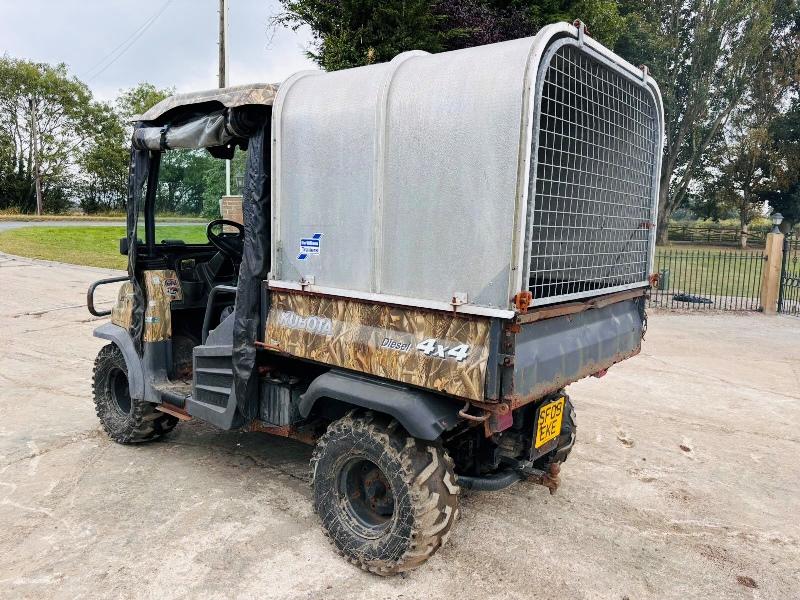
551, 353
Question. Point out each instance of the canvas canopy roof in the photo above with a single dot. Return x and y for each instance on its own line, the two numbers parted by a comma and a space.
208, 119
229, 97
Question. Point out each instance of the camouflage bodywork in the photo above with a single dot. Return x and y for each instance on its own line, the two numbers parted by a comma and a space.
442, 351
122, 310
161, 287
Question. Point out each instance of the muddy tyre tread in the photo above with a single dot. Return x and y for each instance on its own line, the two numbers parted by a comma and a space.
143, 424
427, 472
569, 431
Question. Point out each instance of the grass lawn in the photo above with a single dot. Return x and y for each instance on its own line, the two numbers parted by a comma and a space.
95, 246
708, 270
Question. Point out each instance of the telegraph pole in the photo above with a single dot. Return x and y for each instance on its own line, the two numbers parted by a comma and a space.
223, 40
35, 147
223, 72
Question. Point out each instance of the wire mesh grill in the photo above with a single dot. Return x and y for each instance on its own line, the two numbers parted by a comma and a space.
591, 213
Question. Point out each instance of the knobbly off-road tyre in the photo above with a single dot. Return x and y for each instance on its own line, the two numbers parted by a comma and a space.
375, 451
125, 419
569, 431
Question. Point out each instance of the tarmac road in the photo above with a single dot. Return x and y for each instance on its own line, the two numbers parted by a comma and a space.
6, 225
684, 483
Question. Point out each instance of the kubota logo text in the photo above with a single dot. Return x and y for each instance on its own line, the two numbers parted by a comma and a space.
311, 324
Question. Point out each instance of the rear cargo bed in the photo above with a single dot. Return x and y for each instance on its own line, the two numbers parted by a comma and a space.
551, 353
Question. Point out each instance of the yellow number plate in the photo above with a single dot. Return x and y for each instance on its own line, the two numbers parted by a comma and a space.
548, 425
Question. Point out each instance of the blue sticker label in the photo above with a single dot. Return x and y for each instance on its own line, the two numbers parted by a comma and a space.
309, 246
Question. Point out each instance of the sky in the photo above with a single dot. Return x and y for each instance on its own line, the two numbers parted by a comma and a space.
178, 48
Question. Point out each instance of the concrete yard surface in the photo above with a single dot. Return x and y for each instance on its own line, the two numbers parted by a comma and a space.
684, 482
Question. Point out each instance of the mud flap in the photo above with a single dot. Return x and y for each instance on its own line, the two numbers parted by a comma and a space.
423, 415
122, 339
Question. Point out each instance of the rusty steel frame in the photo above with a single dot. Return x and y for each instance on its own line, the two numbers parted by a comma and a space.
301, 434
571, 308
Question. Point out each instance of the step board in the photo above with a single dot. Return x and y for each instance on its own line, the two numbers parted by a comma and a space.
213, 375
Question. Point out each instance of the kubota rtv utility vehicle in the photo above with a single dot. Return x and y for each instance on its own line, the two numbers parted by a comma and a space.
428, 251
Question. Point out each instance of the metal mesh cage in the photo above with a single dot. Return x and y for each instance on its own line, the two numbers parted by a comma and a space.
591, 207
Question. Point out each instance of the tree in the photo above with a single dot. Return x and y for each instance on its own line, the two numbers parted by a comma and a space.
104, 162
352, 33
214, 182
182, 173
43, 118
786, 200
481, 22
359, 32
140, 98
783, 194
744, 174
705, 55
82, 149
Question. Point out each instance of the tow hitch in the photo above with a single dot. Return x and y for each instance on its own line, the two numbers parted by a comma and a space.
521, 470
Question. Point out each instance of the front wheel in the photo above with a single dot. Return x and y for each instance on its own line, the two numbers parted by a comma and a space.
126, 420
387, 500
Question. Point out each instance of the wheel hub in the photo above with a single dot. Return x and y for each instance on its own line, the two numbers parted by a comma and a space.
119, 390
366, 497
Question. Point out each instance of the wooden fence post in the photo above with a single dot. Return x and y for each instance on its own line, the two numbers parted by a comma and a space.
771, 276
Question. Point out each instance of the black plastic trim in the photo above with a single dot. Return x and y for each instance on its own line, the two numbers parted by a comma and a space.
123, 340
210, 307
489, 483
424, 415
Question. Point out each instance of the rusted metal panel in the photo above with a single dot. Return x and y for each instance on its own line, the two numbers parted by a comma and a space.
161, 288
174, 411
569, 308
306, 435
443, 351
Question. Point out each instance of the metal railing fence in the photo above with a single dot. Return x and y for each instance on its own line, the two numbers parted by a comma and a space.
707, 279
789, 292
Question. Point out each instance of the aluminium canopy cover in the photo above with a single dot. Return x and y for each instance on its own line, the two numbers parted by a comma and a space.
415, 181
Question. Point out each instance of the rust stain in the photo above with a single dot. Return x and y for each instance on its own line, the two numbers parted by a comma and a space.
301, 435
571, 308
522, 300
174, 411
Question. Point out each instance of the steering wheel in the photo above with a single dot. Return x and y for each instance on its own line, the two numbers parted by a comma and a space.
230, 244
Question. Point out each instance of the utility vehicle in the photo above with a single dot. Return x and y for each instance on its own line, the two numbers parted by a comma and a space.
429, 250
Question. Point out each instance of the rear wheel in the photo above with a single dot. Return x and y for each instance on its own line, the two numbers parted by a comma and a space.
387, 500
126, 420
566, 438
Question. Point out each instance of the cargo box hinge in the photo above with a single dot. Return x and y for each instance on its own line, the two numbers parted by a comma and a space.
522, 300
